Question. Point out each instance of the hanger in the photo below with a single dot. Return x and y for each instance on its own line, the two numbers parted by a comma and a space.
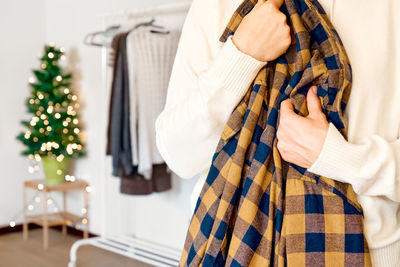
112, 30
158, 29
90, 38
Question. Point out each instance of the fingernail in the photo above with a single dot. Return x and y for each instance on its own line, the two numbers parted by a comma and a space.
314, 89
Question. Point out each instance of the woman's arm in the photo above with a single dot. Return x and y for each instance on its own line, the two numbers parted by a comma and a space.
371, 166
208, 80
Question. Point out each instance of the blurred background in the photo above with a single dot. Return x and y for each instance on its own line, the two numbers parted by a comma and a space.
70, 58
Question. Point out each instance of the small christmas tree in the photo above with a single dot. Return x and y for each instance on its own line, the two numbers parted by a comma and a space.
53, 131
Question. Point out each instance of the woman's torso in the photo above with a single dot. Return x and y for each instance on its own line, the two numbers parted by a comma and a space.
372, 41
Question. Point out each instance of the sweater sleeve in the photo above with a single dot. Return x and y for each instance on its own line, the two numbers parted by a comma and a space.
207, 81
371, 165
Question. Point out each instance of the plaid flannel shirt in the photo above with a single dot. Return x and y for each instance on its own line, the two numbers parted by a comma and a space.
256, 209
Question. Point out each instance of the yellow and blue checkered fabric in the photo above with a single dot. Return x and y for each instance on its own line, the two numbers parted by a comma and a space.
255, 209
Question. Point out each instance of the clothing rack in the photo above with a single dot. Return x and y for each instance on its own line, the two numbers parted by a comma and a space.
143, 250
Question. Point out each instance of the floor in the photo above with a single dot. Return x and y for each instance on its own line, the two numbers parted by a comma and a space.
14, 252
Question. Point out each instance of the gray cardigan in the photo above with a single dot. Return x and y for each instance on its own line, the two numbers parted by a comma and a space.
119, 143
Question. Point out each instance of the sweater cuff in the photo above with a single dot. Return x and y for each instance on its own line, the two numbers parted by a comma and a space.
388, 256
318, 165
338, 159
234, 69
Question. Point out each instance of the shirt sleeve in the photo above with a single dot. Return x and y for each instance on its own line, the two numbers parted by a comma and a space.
207, 81
371, 165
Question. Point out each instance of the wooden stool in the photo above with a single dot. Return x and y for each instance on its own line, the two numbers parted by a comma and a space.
62, 218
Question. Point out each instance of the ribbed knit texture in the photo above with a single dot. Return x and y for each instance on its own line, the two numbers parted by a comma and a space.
151, 57
387, 256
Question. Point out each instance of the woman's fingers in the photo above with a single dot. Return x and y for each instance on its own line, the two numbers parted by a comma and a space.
276, 3
264, 33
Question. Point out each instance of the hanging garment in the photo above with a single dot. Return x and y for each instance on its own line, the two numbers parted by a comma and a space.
118, 131
119, 143
136, 184
150, 61
256, 209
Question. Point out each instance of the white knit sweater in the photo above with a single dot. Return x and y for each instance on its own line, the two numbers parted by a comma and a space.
209, 78
150, 57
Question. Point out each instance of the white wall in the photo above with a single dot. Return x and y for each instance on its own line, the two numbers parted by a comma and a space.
22, 31
162, 217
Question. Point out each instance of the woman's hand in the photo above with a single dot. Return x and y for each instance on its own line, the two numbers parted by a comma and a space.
263, 33
300, 139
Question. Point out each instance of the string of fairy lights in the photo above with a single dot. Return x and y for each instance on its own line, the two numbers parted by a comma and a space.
52, 206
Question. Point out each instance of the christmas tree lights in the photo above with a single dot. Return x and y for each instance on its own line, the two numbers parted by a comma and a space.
54, 128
